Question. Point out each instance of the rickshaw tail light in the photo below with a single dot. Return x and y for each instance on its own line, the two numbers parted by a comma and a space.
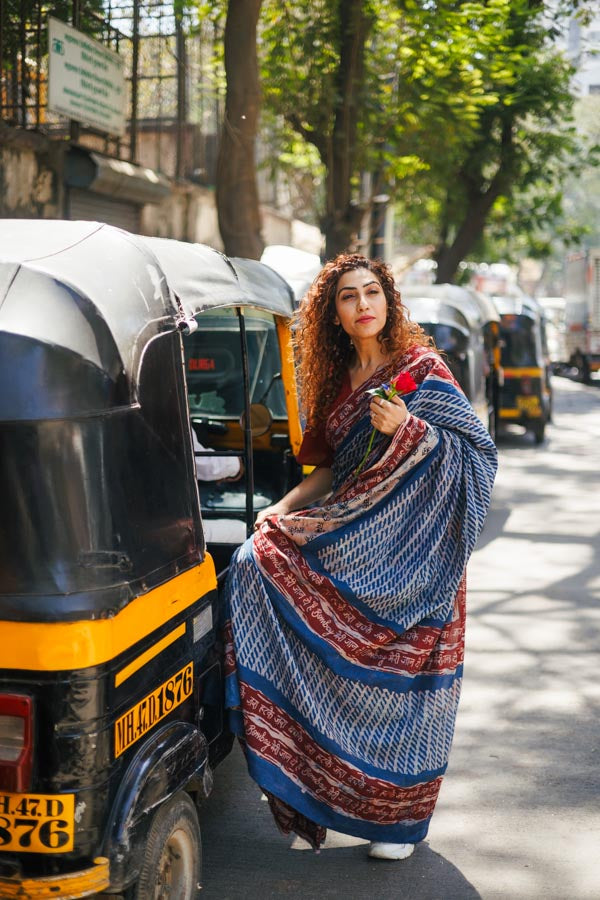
16, 742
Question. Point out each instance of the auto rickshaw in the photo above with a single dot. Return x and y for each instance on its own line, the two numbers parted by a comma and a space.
298, 267
526, 395
241, 386
492, 342
454, 319
111, 712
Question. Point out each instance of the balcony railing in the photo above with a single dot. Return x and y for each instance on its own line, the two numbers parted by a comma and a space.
174, 84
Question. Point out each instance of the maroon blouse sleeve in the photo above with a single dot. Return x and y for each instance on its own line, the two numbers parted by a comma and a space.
314, 450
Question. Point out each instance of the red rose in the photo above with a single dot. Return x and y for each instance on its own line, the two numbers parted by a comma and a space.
404, 383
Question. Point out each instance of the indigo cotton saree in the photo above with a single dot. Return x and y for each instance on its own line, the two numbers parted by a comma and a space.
345, 636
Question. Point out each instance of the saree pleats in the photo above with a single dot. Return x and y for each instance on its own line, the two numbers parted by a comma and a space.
345, 629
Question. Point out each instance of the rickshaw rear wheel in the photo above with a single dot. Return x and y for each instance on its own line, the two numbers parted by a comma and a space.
172, 862
538, 432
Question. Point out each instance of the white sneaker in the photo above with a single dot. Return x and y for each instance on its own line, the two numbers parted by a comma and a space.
378, 850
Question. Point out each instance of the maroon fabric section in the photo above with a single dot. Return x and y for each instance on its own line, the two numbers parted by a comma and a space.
314, 450
289, 820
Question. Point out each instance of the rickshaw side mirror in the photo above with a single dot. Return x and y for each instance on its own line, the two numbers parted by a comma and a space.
260, 419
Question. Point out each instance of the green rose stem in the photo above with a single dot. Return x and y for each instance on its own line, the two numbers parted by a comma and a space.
364, 459
387, 395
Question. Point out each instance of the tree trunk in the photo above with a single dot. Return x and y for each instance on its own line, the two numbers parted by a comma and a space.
342, 217
479, 204
449, 256
237, 191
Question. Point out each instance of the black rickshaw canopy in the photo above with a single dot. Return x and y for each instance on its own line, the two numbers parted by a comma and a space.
93, 410
264, 287
486, 305
79, 303
202, 278
427, 310
518, 305
231, 282
475, 311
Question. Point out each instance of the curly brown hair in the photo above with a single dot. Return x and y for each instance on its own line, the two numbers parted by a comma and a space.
324, 350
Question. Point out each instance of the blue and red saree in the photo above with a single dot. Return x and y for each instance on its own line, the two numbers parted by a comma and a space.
344, 642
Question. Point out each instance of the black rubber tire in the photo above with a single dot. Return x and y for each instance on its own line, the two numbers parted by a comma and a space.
586, 372
583, 369
172, 863
538, 432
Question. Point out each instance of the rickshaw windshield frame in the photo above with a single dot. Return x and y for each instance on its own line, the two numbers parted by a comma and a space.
213, 367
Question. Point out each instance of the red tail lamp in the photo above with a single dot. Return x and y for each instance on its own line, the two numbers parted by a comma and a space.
16, 742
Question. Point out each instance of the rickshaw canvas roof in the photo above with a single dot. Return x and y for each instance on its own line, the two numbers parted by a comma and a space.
519, 305
264, 287
205, 279
427, 310
88, 288
201, 277
298, 267
486, 304
450, 294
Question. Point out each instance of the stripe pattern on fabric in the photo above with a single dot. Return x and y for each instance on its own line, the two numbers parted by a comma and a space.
346, 621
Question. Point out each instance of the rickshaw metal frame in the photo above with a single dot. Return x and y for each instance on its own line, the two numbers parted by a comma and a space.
259, 287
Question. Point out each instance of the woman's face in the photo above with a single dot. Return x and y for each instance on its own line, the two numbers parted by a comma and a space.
360, 304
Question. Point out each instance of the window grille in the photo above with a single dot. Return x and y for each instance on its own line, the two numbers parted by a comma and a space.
175, 82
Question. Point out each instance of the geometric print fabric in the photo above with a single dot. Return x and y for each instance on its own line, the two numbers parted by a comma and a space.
345, 640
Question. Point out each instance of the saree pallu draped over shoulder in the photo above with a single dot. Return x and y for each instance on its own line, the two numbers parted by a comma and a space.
345, 629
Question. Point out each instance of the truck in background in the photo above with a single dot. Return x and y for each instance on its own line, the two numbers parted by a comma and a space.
582, 312
556, 343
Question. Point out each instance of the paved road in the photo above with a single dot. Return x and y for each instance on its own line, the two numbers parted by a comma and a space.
518, 815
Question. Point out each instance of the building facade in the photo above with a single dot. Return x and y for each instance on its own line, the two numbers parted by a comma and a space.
150, 169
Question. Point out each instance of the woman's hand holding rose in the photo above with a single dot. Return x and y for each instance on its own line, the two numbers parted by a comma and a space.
388, 415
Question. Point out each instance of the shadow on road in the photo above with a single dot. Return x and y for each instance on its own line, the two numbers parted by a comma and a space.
524, 773
517, 817
245, 857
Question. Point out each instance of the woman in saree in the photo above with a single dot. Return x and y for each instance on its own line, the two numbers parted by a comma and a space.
346, 609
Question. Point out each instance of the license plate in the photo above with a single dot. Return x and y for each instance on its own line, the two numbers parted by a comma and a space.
138, 720
529, 405
37, 823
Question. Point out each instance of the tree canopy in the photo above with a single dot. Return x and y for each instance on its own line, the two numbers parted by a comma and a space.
456, 108
459, 111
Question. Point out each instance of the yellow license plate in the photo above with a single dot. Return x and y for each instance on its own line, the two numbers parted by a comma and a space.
37, 823
138, 720
529, 405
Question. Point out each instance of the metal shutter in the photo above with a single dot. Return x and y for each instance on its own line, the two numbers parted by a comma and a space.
99, 208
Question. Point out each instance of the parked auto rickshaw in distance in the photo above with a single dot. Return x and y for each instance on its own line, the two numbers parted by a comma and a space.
111, 713
493, 351
526, 395
241, 386
298, 267
455, 320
